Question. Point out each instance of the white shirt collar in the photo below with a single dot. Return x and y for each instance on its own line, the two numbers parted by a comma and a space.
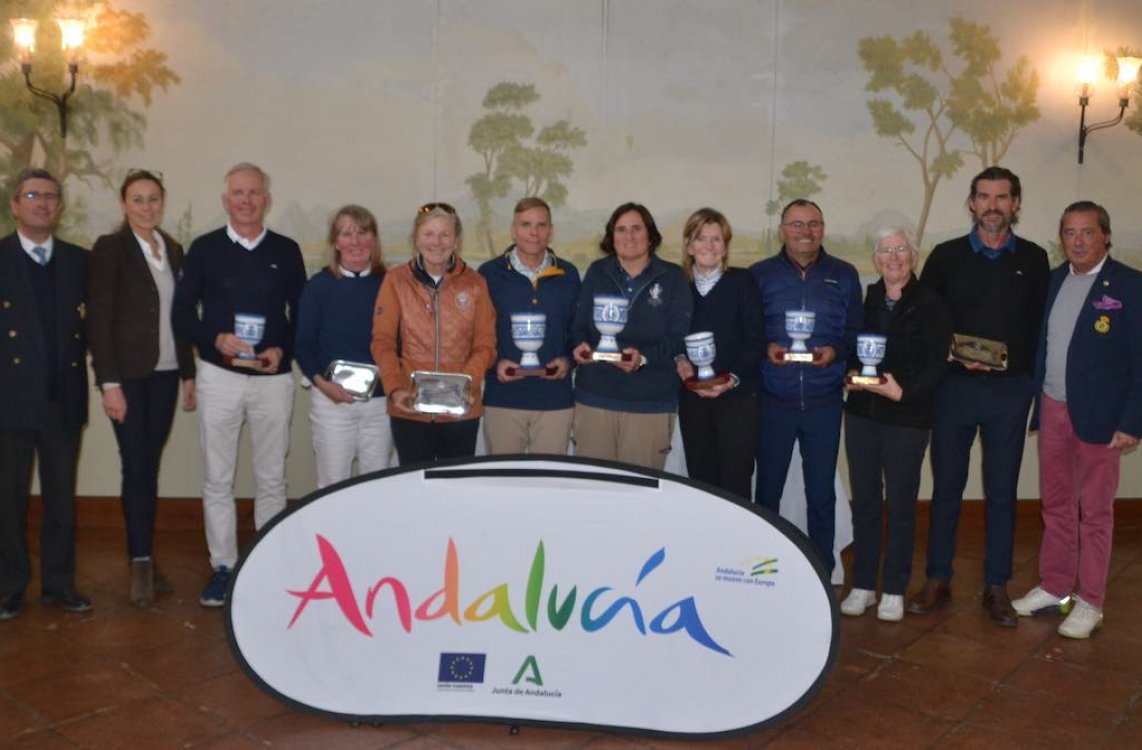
160, 262
248, 244
356, 274
27, 244
1092, 271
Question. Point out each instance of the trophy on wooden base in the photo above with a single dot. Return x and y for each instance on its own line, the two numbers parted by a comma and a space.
528, 332
870, 351
250, 329
610, 316
700, 350
799, 326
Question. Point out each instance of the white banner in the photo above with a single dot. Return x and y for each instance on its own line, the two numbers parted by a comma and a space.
545, 590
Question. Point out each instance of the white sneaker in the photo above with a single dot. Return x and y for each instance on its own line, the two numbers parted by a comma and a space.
1083, 620
1037, 601
857, 602
891, 608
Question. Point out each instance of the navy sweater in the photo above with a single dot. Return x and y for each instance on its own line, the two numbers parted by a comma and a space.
226, 278
657, 322
1000, 299
335, 321
732, 311
555, 294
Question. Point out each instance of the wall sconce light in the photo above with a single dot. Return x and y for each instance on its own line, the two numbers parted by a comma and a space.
71, 41
1087, 73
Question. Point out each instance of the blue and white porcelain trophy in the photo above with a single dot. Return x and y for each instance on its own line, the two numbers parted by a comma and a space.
700, 350
799, 326
610, 316
528, 331
250, 329
870, 350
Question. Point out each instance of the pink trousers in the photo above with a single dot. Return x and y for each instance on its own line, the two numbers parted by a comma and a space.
1078, 482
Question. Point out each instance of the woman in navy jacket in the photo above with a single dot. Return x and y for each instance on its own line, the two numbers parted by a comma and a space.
719, 423
624, 410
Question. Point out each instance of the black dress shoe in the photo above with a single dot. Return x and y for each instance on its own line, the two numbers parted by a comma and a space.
998, 606
11, 605
934, 594
68, 600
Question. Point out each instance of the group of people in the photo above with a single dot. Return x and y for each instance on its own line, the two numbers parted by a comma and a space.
240, 298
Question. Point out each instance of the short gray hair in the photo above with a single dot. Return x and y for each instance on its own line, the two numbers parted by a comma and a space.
889, 232
246, 166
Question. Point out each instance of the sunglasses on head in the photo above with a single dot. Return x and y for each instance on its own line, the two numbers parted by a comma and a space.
428, 208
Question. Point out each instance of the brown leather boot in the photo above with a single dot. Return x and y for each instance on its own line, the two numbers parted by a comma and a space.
935, 593
143, 582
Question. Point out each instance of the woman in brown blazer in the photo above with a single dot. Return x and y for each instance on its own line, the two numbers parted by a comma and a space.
137, 360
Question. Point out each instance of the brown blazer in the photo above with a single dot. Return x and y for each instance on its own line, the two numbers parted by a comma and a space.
123, 310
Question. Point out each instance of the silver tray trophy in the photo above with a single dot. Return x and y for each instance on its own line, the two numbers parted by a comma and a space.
356, 378
441, 392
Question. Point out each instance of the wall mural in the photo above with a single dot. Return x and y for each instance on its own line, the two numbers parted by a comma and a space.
880, 111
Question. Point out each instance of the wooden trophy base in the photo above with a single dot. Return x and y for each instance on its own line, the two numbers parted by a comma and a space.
694, 384
866, 379
530, 372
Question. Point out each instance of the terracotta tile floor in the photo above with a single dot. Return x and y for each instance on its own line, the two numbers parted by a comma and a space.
164, 677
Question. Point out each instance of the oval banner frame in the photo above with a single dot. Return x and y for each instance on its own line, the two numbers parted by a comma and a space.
535, 590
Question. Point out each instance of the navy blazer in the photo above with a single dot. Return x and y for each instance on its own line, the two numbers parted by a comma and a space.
123, 325
1104, 358
23, 358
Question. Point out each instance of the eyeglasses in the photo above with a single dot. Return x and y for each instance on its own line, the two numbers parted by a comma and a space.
813, 226
35, 196
894, 250
145, 174
428, 208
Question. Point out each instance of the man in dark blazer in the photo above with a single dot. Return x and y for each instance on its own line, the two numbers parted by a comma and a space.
43, 393
1088, 379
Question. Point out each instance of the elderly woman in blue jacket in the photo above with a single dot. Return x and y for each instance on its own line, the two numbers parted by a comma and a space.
625, 409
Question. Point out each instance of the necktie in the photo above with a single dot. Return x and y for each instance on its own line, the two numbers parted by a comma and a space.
41, 255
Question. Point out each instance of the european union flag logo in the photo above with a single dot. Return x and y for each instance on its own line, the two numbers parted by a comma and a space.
461, 668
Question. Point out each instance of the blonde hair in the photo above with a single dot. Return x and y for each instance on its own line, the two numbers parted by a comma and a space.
366, 222
698, 220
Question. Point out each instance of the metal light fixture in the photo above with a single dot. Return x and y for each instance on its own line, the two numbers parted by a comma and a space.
1087, 73
71, 41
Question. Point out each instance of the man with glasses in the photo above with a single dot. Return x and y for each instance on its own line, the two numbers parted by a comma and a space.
236, 299
995, 285
43, 393
801, 401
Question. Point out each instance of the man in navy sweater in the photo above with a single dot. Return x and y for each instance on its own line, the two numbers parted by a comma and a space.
995, 284
240, 279
802, 402
531, 414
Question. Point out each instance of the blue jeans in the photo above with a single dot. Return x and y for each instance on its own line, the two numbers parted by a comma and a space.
996, 408
818, 432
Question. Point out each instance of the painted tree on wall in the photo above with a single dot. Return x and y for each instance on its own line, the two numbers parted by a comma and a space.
503, 139
799, 179
117, 75
944, 108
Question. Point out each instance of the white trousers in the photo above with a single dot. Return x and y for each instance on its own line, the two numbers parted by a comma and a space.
342, 432
225, 400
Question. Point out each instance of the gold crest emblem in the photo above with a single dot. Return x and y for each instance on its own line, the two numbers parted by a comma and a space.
1102, 325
